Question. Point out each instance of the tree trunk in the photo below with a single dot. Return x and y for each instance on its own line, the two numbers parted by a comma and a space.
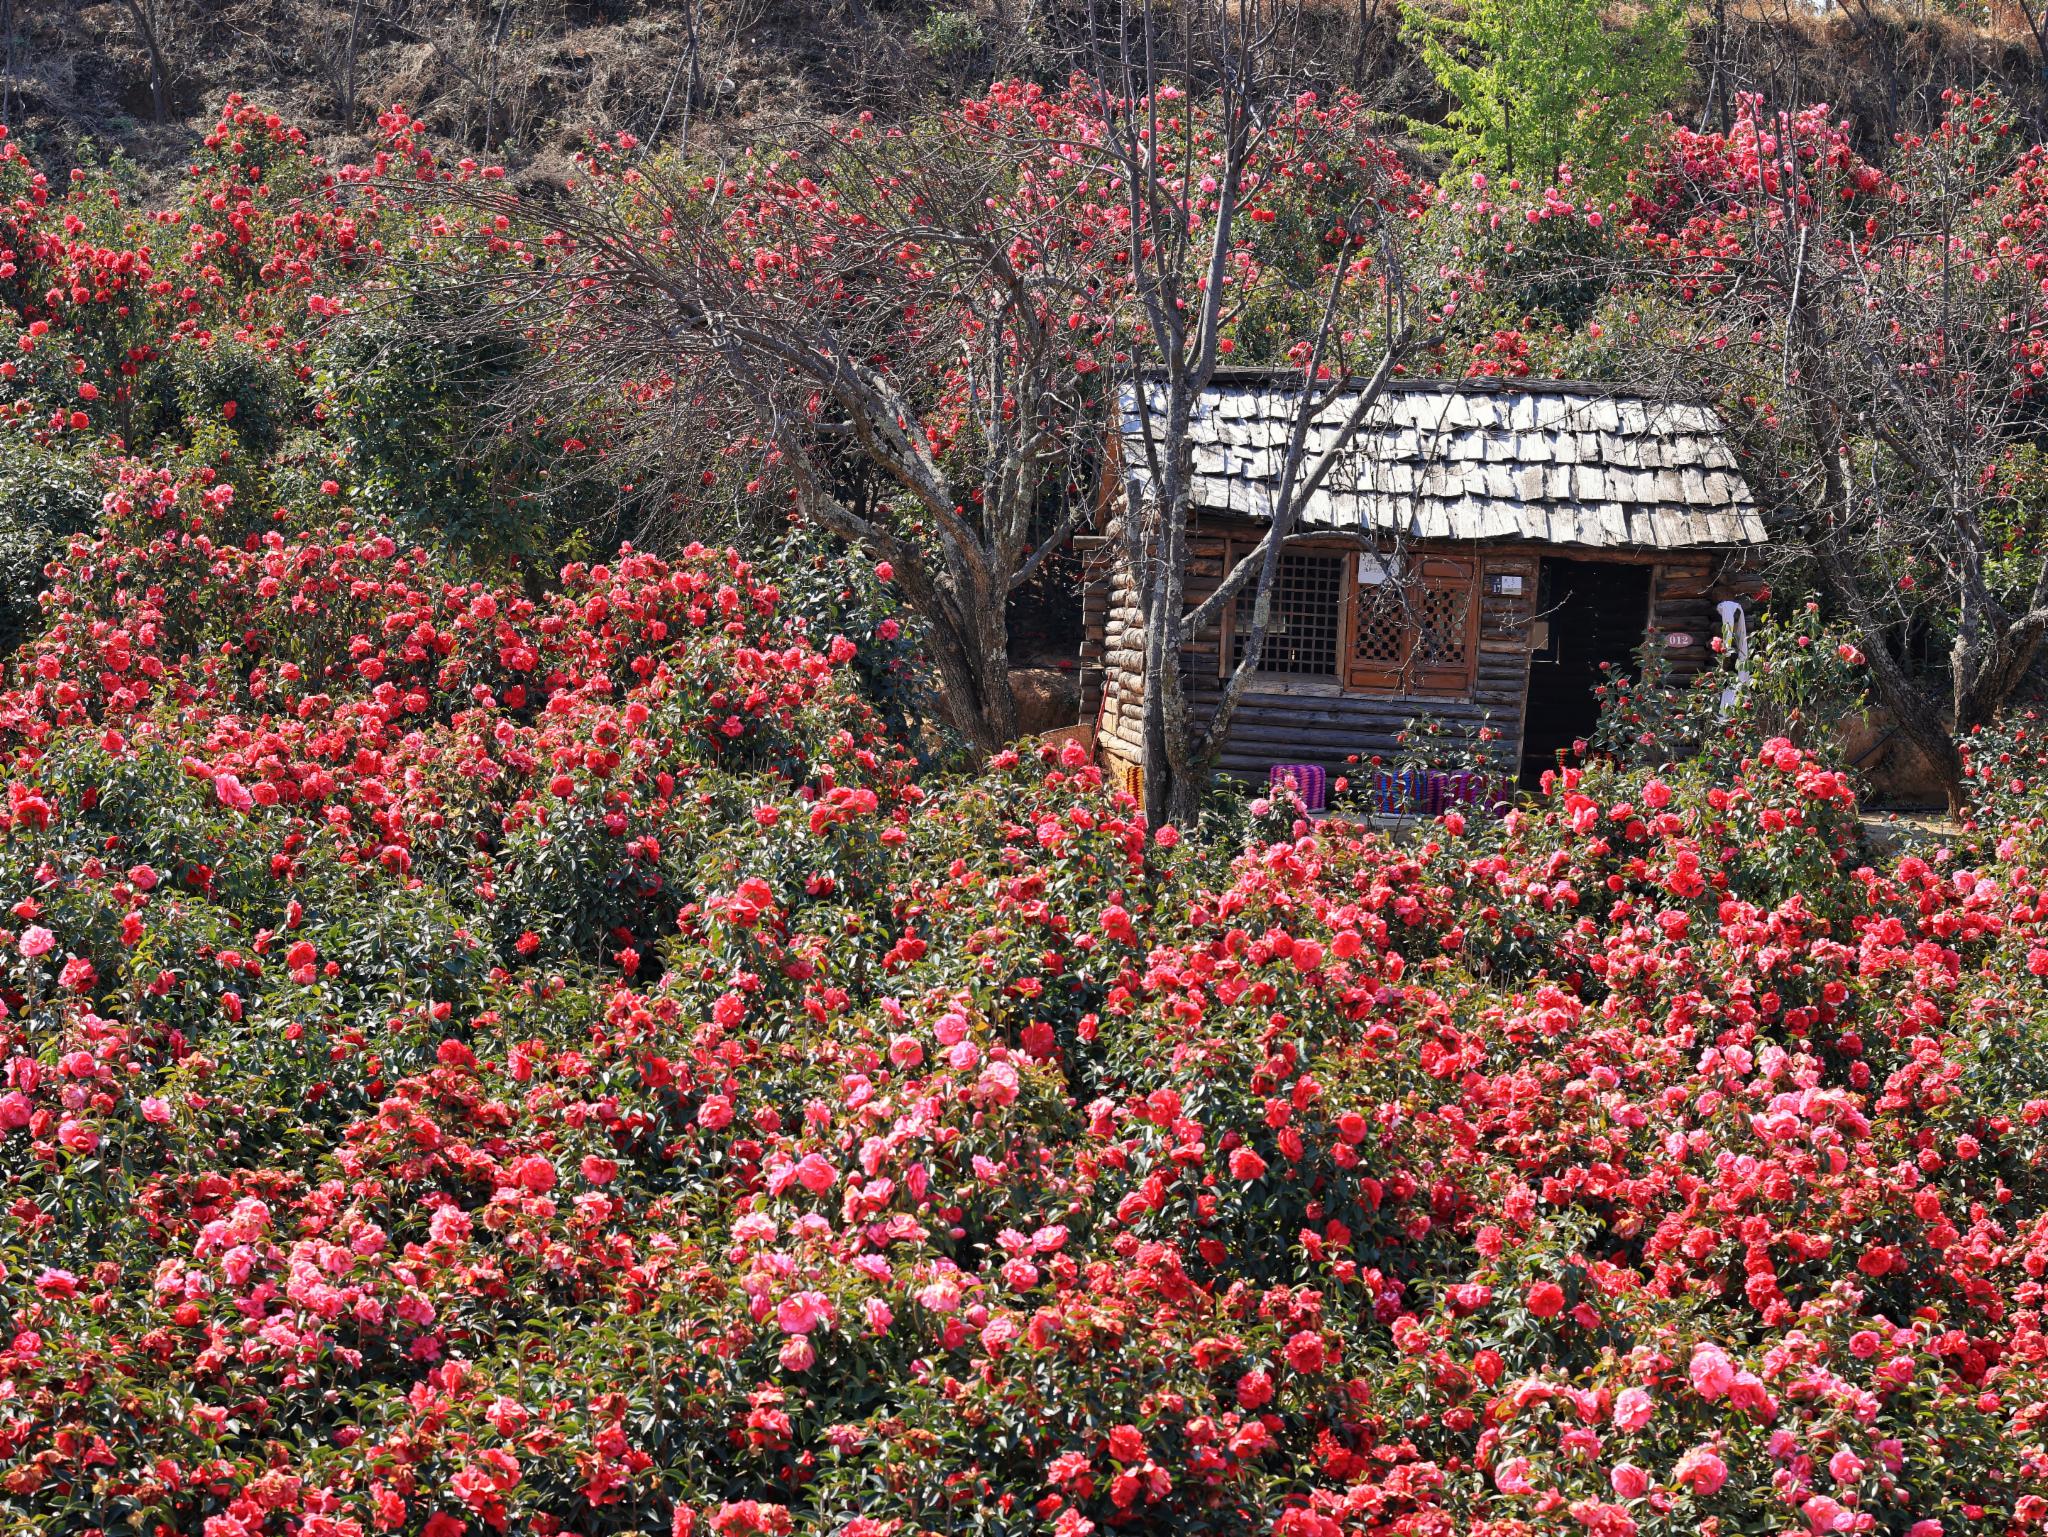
995, 705
1174, 782
6, 63
143, 15
971, 653
350, 54
1917, 715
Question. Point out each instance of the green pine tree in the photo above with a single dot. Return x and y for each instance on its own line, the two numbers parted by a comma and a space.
1538, 85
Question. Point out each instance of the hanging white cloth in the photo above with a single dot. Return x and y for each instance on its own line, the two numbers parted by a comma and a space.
1734, 635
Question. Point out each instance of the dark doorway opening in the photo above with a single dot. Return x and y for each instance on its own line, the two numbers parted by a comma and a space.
1592, 616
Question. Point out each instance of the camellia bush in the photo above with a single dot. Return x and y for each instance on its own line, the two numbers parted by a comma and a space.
490, 1052
478, 1062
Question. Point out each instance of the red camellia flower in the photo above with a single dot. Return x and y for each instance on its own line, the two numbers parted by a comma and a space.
1306, 1352
1546, 1299
1127, 1443
533, 1174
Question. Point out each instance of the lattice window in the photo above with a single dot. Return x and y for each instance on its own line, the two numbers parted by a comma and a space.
1444, 640
1415, 634
1305, 632
1380, 635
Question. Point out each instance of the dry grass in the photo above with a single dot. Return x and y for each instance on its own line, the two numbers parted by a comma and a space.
532, 80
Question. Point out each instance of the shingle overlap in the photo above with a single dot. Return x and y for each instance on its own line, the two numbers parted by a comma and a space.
1482, 460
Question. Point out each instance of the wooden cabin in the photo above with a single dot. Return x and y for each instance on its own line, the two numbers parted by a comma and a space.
1487, 546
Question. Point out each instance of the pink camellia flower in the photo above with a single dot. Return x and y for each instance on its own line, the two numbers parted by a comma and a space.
238, 1264
1633, 1408
1629, 1481
1712, 1373
754, 1227
715, 1114
998, 1084
1246, 1165
797, 1354
156, 1110
1845, 1467
77, 1137
1546, 1299
801, 1312
507, 1416
1701, 1470
57, 1283
877, 1315
815, 1174
1512, 1477
1826, 1515
36, 941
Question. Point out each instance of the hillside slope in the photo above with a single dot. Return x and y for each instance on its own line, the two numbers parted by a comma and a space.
530, 80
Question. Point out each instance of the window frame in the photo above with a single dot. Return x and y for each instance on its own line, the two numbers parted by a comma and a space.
1339, 640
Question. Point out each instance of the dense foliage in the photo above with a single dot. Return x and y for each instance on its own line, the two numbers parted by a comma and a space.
480, 1062
490, 1050
1552, 87
255, 329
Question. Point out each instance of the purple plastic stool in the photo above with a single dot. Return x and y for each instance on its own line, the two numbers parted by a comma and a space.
1308, 780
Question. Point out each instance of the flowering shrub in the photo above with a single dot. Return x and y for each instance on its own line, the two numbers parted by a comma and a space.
485, 1054
2008, 767
482, 1062
1801, 679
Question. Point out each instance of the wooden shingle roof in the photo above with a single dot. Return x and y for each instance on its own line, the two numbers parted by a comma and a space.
1554, 462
